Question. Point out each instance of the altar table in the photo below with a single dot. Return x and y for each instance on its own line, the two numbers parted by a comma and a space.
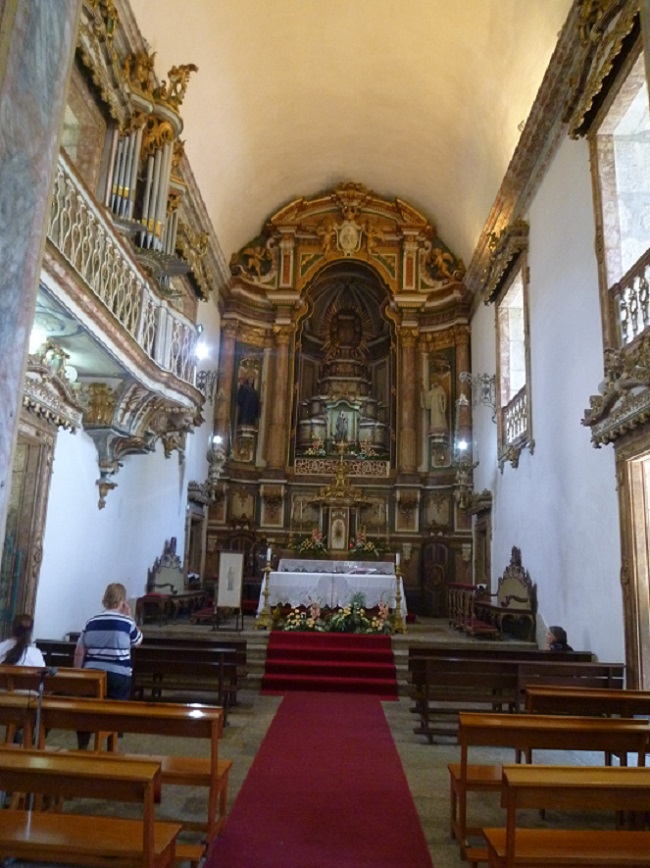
332, 584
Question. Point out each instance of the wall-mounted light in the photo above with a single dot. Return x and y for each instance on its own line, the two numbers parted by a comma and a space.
484, 390
206, 381
464, 467
216, 460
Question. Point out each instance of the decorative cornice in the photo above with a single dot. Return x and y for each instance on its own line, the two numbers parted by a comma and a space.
540, 138
605, 28
624, 400
50, 396
505, 250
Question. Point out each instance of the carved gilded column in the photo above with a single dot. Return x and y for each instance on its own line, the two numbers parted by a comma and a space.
223, 401
36, 51
280, 407
463, 421
407, 385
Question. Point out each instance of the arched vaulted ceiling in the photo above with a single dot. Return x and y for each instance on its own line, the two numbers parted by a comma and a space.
421, 99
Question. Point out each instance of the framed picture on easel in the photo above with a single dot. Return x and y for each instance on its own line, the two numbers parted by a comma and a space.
231, 583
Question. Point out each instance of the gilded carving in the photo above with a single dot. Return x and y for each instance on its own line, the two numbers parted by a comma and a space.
101, 401
603, 27
624, 399
349, 222
172, 93
157, 133
139, 71
505, 249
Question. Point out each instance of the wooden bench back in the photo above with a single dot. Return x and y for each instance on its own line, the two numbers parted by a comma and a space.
153, 718
57, 652
80, 775
524, 732
496, 653
561, 699
86, 776
62, 681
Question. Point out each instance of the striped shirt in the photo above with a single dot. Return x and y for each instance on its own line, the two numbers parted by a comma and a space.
108, 639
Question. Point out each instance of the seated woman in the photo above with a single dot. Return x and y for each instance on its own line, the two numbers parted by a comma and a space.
18, 650
556, 639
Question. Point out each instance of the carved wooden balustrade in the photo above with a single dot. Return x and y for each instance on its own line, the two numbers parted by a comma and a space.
87, 239
631, 299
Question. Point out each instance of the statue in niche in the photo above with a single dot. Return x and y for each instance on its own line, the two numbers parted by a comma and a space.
342, 427
345, 337
248, 403
435, 401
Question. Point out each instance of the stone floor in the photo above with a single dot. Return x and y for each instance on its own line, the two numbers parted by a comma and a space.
425, 765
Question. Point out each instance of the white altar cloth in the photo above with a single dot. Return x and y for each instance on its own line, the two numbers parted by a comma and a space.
331, 589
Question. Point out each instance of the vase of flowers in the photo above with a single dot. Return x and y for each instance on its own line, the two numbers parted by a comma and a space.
305, 621
362, 548
312, 546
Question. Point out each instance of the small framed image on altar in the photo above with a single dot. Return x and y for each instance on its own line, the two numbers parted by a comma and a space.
337, 536
231, 580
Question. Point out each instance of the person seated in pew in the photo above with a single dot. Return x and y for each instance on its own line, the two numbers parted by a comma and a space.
18, 650
105, 643
556, 639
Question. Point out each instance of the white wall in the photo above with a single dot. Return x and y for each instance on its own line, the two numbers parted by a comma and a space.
560, 506
85, 548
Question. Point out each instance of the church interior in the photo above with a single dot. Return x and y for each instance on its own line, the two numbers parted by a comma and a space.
354, 281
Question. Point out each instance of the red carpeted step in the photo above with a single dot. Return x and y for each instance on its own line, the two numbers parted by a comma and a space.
340, 662
338, 668
281, 638
287, 652
384, 688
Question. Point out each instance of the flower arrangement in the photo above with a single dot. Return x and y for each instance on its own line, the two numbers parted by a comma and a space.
353, 618
303, 621
362, 547
316, 449
313, 546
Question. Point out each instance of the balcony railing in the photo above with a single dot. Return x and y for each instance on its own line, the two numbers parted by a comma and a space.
631, 297
515, 418
88, 241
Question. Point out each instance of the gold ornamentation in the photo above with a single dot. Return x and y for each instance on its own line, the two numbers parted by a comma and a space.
173, 93
157, 133
138, 69
108, 13
101, 403
505, 249
624, 402
193, 247
603, 27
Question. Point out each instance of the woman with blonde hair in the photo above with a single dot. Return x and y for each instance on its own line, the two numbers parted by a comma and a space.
105, 643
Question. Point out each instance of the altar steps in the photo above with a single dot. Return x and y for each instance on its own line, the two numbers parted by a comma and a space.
335, 662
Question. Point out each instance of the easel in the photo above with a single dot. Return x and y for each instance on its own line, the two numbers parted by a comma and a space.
230, 589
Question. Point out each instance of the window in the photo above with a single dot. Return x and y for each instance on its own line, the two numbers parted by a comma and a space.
622, 150
513, 418
506, 285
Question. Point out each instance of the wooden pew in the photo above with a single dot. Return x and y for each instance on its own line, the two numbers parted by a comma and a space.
570, 788
495, 652
76, 839
444, 686
587, 701
159, 669
153, 718
57, 652
524, 733
62, 681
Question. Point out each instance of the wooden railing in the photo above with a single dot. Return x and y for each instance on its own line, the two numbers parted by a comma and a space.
631, 298
86, 238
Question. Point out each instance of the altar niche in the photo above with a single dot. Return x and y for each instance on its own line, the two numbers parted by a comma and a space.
345, 368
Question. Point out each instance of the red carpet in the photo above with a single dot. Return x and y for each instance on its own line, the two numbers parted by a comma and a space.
340, 662
327, 790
